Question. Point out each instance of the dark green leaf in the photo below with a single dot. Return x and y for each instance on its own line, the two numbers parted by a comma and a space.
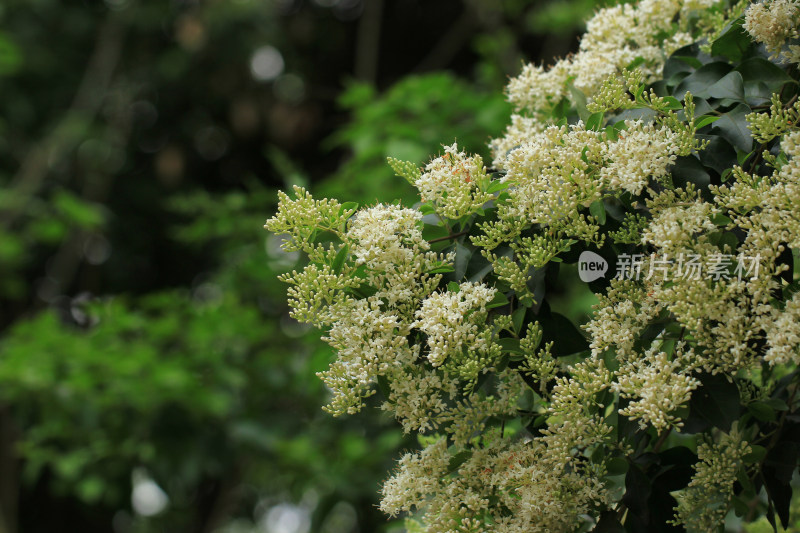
733, 127
719, 154
384, 387
616, 466
608, 523
432, 231
688, 169
598, 211
756, 454
716, 401
762, 77
517, 318
701, 80
478, 267
677, 64
457, 460
463, 255
733, 42
762, 411
778, 489
637, 493
499, 300
510, 345
566, 338
730, 86
338, 261
579, 99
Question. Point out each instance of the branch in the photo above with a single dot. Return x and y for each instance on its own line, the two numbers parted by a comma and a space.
85, 105
368, 42
449, 237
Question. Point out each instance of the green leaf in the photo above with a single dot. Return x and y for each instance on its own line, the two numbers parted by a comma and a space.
77, 210
457, 460
499, 300
716, 402
595, 121
463, 256
680, 64
510, 345
453, 286
730, 86
598, 211
689, 169
517, 318
733, 42
762, 411
616, 466
740, 507
635, 63
383, 386
757, 453
349, 208
432, 231
567, 339
720, 220
777, 404
579, 99
478, 268
719, 154
672, 103
733, 127
496, 186
762, 77
701, 80
338, 261
704, 120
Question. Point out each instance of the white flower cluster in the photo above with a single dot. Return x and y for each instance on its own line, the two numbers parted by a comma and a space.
658, 386
783, 334
773, 22
455, 182
615, 37
534, 489
457, 361
642, 152
454, 321
702, 506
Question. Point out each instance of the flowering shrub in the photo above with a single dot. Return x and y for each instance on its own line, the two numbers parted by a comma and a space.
667, 147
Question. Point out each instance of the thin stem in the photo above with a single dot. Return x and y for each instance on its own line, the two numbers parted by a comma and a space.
449, 237
661, 440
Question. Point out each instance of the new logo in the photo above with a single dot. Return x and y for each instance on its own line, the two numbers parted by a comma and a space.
591, 266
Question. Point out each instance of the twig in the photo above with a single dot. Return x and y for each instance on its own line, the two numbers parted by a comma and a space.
61, 140
368, 42
661, 440
449, 237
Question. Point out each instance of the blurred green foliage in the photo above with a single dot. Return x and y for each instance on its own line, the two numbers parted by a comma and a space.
143, 333
410, 122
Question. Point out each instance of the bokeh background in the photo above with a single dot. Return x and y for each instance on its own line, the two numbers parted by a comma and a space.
151, 379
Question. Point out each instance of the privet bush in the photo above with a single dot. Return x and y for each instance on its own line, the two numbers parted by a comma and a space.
665, 152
